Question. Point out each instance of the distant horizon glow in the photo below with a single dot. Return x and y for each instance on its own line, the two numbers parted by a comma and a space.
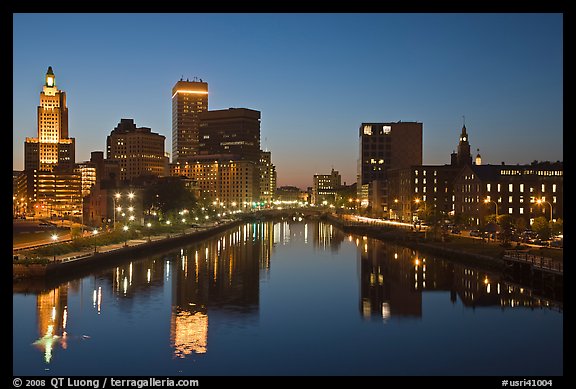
315, 78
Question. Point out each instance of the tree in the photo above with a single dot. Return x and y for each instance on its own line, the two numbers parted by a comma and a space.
557, 227
542, 227
506, 227
520, 224
168, 195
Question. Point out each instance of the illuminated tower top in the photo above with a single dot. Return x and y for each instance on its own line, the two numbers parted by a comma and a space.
52, 146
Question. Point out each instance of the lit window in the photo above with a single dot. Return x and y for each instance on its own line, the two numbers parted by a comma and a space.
510, 187
554, 188
510, 210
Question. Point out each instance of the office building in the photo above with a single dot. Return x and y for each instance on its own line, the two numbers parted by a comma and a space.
52, 146
385, 146
234, 131
512, 190
267, 178
325, 187
189, 99
138, 150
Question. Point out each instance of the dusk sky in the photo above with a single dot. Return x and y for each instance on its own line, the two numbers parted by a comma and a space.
314, 77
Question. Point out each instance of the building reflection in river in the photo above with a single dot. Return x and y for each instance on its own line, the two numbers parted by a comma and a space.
393, 279
52, 314
217, 274
223, 275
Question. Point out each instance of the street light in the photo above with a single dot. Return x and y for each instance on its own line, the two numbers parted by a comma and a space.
417, 201
125, 228
116, 197
94, 233
487, 200
540, 201
54, 239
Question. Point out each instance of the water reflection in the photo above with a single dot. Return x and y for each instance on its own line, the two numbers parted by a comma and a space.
393, 280
219, 280
52, 315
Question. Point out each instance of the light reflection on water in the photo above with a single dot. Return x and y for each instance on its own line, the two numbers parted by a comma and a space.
246, 300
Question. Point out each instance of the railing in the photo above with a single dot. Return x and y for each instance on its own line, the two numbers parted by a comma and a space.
537, 261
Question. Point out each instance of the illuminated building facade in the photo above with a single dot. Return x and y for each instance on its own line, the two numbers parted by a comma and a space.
385, 146
189, 99
267, 177
234, 183
515, 189
325, 187
138, 150
52, 146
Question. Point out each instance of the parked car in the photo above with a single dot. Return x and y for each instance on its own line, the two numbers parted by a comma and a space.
475, 233
455, 230
557, 243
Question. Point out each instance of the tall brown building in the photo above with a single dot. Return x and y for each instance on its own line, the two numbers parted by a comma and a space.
138, 150
189, 99
385, 146
233, 131
52, 146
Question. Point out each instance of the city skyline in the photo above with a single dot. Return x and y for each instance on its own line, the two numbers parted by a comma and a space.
314, 77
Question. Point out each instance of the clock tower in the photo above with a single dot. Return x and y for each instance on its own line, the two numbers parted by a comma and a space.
462, 156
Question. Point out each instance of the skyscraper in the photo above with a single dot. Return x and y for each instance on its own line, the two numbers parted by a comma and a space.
189, 98
52, 145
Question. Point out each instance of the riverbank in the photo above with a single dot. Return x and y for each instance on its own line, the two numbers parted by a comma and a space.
472, 251
87, 260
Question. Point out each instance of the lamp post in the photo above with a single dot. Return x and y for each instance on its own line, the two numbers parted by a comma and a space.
125, 228
54, 239
418, 201
396, 206
116, 197
94, 233
487, 200
540, 202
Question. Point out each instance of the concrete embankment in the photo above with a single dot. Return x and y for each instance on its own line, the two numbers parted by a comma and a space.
416, 241
89, 261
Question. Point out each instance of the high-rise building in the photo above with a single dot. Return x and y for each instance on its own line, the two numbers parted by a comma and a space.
233, 131
385, 146
267, 178
138, 150
189, 98
52, 146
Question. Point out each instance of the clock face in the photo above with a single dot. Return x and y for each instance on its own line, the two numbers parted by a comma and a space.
50, 81
463, 139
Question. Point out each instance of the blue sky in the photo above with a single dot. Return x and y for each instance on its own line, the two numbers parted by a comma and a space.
315, 78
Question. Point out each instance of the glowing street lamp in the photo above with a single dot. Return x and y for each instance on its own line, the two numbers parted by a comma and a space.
116, 197
54, 239
125, 228
487, 200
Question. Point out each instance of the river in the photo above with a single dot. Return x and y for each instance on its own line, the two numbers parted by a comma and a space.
287, 298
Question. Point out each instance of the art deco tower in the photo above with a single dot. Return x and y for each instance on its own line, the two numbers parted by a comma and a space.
52, 146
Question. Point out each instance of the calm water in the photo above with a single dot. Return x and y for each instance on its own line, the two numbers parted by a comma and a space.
287, 298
